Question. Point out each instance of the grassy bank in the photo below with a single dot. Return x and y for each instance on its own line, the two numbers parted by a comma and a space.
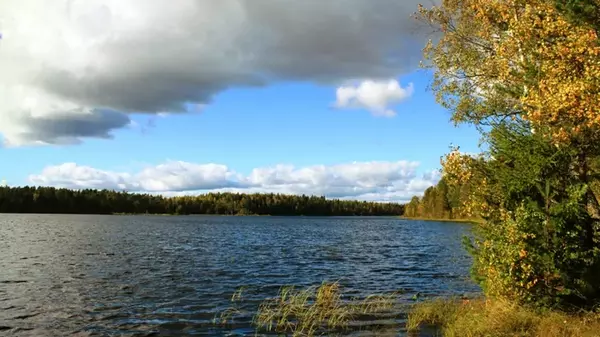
471, 221
498, 318
325, 310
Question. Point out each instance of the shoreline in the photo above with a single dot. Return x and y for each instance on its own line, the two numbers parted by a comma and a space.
468, 221
484, 316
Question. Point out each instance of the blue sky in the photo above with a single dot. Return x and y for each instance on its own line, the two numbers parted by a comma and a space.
285, 135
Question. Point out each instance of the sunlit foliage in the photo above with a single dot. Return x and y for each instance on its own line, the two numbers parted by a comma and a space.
516, 58
527, 73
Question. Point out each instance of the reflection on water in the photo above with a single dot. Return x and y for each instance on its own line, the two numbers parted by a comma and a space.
144, 275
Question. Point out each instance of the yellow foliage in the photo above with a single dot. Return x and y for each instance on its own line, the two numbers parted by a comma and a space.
499, 58
459, 169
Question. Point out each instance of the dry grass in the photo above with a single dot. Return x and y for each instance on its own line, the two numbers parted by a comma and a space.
316, 310
498, 318
228, 315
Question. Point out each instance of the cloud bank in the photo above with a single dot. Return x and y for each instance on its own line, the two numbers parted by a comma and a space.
377, 181
73, 69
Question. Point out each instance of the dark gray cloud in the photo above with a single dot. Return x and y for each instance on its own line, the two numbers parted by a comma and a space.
155, 56
69, 127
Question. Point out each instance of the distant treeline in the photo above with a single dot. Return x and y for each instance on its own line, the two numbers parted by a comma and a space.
440, 202
89, 201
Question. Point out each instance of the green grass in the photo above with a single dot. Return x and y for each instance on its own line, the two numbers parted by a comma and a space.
499, 318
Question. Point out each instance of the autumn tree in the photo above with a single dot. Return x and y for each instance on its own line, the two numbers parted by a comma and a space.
442, 201
411, 209
527, 74
515, 58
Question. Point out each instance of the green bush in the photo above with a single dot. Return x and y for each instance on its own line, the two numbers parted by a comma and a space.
539, 244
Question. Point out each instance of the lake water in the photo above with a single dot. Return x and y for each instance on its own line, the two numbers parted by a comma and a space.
85, 275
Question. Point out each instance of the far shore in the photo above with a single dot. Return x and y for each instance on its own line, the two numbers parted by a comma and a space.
470, 221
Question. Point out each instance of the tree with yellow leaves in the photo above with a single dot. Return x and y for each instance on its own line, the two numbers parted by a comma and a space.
515, 58
511, 67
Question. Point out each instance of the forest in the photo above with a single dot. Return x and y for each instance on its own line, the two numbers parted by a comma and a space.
442, 201
89, 201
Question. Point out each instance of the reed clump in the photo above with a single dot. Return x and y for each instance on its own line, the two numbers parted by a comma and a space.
317, 310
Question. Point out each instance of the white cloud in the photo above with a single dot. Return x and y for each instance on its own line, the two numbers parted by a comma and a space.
83, 66
182, 176
375, 96
75, 176
380, 181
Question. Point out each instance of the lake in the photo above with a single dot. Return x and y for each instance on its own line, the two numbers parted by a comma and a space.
90, 275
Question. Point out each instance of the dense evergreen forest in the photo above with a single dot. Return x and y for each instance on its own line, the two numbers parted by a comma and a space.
88, 201
442, 201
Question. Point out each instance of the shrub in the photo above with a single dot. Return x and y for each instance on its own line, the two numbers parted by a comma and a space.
539, 243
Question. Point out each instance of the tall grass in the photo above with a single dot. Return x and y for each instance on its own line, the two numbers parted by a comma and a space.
228, 315
499, 318
316, 310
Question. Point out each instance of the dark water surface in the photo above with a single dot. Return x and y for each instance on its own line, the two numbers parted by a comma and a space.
76, 275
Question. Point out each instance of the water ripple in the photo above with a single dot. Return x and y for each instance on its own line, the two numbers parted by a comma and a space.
143, 275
